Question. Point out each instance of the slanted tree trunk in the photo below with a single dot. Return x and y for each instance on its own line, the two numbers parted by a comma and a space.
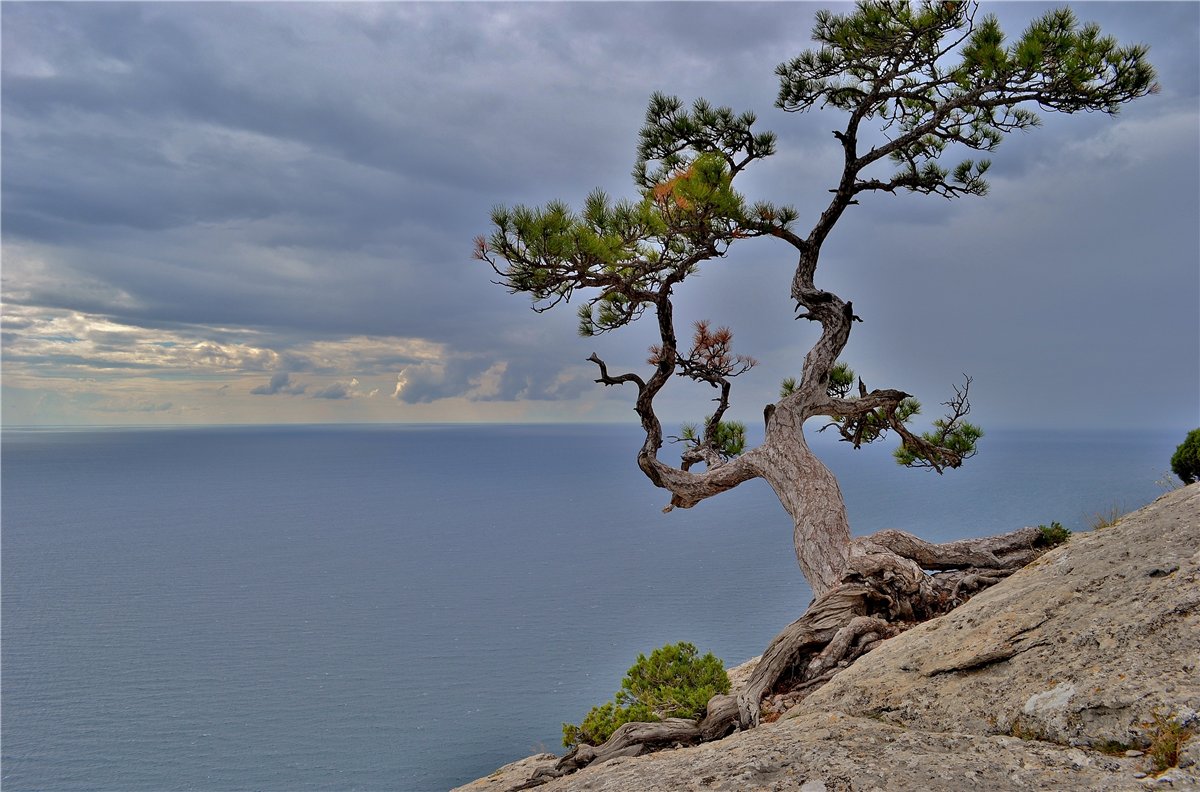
812, 498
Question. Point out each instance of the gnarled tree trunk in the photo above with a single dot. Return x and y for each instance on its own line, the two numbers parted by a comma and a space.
883, 591
811, 496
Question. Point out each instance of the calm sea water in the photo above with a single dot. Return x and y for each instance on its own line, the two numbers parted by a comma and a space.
406, 608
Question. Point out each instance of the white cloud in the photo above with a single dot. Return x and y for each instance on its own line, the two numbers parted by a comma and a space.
368, 353
487, 384
55, 340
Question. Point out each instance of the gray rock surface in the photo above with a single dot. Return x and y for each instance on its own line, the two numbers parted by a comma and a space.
1080, 648
1019, 689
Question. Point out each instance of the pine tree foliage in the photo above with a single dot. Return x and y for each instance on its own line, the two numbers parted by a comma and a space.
841, 379
933, 77
729, 438
1185, 462
673, 682
923, 89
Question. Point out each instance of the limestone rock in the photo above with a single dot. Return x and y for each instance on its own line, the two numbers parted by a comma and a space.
739, 675
510, 775
1080, 648
836, 752
1048, 680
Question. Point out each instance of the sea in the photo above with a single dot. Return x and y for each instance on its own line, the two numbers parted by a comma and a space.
409, 607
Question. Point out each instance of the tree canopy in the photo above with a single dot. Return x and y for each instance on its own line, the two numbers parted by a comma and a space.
935, 83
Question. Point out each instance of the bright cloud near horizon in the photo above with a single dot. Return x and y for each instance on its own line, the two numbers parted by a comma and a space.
264, 213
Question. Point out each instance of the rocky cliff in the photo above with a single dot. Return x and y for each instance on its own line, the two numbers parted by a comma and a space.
1072, 674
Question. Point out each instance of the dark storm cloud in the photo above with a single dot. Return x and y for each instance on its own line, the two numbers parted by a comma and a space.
316, 172
298, 130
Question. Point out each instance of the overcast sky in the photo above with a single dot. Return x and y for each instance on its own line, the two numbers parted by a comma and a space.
242, 213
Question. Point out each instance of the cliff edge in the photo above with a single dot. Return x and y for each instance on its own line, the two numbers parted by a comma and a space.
1069, 675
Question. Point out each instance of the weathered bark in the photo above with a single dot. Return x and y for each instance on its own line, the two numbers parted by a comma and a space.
882, 591
630, 739
812, 498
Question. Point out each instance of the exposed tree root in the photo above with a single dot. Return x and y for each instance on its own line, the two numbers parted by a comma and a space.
885, 591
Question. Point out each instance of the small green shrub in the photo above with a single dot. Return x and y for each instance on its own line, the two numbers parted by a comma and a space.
1054, 534
1186, 459
1167, 737
673, 682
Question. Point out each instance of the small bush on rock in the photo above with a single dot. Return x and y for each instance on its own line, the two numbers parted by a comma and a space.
1186, 459
673, 682
1167, 737
1054, 534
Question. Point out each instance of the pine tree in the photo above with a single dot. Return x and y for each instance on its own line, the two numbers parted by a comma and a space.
942, 83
